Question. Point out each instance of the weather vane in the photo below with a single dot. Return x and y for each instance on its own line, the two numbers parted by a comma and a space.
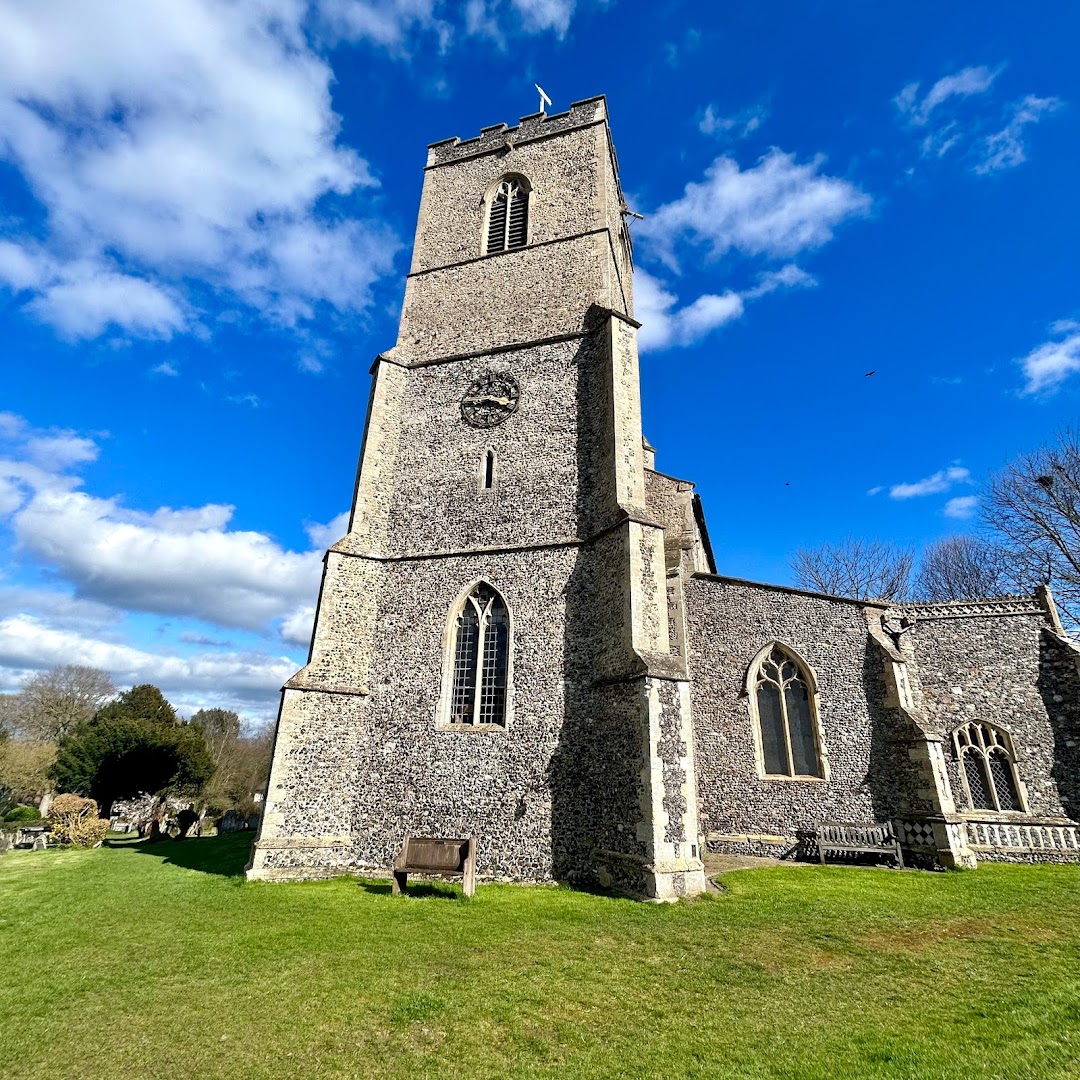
544, 99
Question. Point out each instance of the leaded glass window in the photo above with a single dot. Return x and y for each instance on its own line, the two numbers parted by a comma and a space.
508, 217
481, 659
989, 767
785, 715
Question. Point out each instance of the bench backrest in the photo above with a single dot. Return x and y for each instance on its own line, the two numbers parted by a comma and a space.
846, 832
435, 854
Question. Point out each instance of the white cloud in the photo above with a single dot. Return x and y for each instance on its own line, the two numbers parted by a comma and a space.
776, 208
165, 368
965, 83
179, 141
297, 628
249, 679
938, 112
664, 324
489, 18
940, 482
963, 506
174, 562
383, 22
322, 536
168, 562
1005, 149
738, 126
540, 15
1048, 366
83, 300
60, 450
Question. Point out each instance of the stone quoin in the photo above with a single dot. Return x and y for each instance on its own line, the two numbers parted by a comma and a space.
523, 639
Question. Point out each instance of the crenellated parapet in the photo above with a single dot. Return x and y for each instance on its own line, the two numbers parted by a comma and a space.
501, 137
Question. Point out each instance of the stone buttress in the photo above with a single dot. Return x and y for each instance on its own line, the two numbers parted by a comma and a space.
591, 776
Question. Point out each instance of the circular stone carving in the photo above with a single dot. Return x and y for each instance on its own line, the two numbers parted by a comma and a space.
490, 400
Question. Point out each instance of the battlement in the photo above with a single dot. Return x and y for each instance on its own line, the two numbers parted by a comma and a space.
530, 128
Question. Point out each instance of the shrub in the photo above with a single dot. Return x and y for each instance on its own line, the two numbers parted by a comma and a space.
75, 821
23, 813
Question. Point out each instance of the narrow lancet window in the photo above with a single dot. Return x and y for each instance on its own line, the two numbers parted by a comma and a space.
787, 726
481, 659
487, 472
508, 216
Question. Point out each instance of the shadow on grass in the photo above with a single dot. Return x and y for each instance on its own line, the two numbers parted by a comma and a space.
222, 855
421, 890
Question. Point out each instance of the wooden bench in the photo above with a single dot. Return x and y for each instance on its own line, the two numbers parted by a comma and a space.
434, 855
849, 838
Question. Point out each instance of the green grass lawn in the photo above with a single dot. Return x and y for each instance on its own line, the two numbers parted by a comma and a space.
139, 961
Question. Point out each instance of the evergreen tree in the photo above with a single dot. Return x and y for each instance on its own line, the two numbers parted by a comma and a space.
132, 746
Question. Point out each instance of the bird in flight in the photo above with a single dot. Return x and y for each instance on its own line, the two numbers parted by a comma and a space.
869, 373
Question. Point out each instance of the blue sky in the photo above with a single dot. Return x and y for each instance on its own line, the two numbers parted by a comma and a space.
205, 217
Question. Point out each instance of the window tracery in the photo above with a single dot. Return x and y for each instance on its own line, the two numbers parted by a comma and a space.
988, 766
508, 216
480, 659
782, 693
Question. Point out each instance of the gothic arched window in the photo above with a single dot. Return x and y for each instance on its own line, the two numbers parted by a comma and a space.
782, 692
479, 659
989, 767
507, 215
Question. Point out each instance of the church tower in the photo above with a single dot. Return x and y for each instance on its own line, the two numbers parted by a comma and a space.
492, 654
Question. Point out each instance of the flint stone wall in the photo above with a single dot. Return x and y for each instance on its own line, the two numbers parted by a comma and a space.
561, 780
728, 623
1007, 670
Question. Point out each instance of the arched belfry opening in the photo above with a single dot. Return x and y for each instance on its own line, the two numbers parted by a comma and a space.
507, 219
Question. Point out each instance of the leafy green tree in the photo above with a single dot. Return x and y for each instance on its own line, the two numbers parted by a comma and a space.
132, 746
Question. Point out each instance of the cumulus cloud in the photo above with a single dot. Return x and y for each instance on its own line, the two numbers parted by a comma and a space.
963, 84
1048, 366
963, 506
249, 679
322, 536
939, 482
776, 208
168, 562
105, 561
665, 324
174, 562
1005, 149
180, 141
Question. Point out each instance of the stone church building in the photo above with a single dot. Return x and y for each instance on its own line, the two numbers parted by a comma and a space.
524, 637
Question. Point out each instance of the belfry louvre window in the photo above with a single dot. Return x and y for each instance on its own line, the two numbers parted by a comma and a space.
508, 217
481, 656
989, 767
785, 716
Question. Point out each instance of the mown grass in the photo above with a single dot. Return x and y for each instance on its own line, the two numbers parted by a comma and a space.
159, 961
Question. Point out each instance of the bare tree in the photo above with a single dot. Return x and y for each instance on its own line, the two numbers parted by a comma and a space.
962, 567
220, 728
55, 702
10, 715
861, 569
1035, 505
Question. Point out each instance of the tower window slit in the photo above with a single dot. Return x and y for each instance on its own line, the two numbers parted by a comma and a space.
489, 469
508, 217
